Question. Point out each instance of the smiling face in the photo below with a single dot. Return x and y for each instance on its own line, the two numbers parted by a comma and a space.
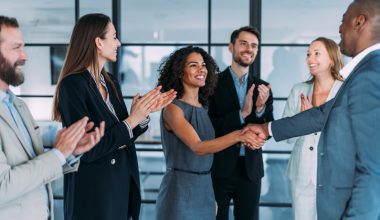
318, 59
195, 71
108, 46
244, 49
12, 56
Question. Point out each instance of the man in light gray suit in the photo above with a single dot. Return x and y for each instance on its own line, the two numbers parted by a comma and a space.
25, 170
348, 173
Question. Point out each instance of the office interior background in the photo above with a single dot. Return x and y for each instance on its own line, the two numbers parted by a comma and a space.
149, 30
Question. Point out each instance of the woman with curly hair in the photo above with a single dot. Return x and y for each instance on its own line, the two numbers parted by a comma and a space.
188, 136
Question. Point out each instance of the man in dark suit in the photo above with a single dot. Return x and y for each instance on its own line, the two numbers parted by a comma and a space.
348, 172
239, 98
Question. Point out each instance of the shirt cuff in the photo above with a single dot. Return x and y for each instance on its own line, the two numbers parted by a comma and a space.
261, 113
241, 118
144, 123
60, 156
270, 129
73, 159
129, 129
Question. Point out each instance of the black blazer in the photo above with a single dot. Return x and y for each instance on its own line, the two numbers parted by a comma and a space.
224, 113
108, 174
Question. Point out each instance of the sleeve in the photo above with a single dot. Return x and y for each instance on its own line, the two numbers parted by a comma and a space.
364, 113
73, 105
18, 180
301, 124
291, 108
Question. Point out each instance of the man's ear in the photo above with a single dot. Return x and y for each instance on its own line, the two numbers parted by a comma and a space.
230, 47
360, 20
98, 42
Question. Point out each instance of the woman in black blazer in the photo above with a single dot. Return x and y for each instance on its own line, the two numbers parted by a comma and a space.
106, 185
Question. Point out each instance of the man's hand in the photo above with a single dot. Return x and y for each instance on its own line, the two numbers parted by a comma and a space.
89, 139
253, 141
263, 96
248, 102
260, 130
68, 138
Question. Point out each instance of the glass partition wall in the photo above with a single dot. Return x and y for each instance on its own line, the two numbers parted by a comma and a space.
150, 30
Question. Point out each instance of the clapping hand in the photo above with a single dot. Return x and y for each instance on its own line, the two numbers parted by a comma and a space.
89, 139
152, 101
305, 103
264, 92
164, 100
75, 140
248, 102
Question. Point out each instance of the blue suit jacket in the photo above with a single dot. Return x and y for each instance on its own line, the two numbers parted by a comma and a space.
348, 173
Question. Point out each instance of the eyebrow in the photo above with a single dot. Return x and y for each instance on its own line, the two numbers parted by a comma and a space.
248, 42
191, 62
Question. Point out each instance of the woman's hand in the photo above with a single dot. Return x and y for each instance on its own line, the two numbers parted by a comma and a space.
252, 140
142, 106
305, 103
164, 100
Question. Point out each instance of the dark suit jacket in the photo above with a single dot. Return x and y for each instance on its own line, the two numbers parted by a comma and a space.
108, 174
224, 113
348, 173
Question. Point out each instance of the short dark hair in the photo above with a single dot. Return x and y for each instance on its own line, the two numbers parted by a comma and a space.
7, 22
171, 71
250, 29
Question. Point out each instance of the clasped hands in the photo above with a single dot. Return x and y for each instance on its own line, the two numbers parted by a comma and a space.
254, 136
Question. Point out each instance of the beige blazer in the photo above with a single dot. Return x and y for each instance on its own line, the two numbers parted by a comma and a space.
21, 176
302, 166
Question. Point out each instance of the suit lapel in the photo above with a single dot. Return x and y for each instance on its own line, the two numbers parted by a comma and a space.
25, 116
231, 88
4, 113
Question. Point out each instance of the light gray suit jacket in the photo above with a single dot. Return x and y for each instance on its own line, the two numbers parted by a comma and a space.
348, 173
22, 176
302, 166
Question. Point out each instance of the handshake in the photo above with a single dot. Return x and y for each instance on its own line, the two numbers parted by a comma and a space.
254, 136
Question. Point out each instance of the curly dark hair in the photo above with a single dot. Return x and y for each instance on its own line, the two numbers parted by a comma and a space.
171, 71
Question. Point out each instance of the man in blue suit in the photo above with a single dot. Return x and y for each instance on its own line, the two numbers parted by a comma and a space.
348, 174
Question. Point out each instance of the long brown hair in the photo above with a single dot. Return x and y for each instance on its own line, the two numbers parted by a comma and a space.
82, 52
334, 54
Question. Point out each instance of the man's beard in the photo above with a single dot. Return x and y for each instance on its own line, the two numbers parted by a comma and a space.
240, 61
9, 74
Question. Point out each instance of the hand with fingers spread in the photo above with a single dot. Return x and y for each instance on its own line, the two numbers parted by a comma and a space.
305, 103
142, 106
252, 140
164, 100
89, 139
68, 138
248, 102
264, 92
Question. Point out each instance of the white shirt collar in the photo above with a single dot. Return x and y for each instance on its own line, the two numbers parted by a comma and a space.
347, 69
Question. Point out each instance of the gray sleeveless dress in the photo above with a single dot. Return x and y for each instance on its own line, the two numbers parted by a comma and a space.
186, 190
